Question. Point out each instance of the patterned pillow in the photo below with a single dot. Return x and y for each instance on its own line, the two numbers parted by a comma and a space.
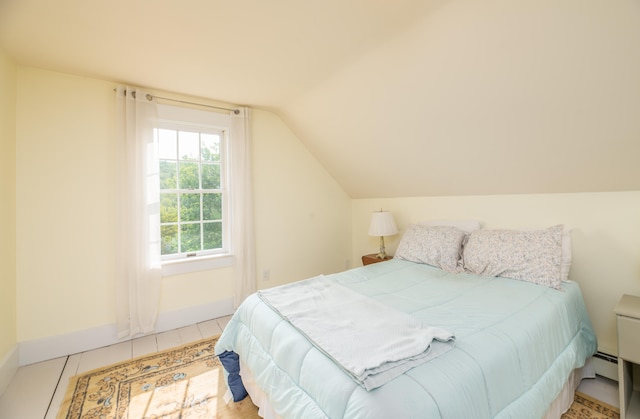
436, 246
533, 256
465, 225
565, 267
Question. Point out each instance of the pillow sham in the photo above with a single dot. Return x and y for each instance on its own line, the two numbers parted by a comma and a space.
438, 246
465, 225
533, 256
565, 267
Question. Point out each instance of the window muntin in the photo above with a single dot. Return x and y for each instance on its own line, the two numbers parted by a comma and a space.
192, 191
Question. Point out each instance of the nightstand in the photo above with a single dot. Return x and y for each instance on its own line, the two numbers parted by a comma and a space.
373, 258
628, 323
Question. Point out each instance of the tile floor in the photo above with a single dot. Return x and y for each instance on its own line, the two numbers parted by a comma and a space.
36, 390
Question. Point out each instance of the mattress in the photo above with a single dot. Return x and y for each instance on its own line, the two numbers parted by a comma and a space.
517, 343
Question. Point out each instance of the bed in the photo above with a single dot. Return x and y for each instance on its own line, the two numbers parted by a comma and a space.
521, 342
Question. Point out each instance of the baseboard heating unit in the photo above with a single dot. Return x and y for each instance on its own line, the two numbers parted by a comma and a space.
606, 357
606, 365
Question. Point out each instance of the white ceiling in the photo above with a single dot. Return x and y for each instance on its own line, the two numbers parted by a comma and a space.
395, 98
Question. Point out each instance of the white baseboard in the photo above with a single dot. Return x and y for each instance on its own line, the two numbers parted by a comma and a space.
8, 368
185, 317
85, 340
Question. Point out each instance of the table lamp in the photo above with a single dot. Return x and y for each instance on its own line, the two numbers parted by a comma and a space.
382, 224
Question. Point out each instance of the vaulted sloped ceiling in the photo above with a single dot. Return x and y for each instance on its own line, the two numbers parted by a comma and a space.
395, 98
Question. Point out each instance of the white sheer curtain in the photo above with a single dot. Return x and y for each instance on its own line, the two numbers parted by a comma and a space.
242, 226
138, 269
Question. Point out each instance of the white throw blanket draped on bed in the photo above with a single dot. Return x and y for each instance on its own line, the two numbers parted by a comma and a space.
372, 342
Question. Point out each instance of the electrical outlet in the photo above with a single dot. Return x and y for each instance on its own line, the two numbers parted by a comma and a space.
266, 275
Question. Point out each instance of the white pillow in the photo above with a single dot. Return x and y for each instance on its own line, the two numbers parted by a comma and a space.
438, 246
533, 256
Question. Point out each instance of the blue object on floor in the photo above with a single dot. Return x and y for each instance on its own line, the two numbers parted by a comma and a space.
231, 362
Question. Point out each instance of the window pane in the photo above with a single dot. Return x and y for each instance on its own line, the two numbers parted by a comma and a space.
210, 176
168, 175
212, 206
169, 237
168, 208
190, 207
210, 147
167, 144
189, 145
189, 176
190, 237
212, 236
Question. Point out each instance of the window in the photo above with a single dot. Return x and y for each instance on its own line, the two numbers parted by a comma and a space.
191, 192
194, 184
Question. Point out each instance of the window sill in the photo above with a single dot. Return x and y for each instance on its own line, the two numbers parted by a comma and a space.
195, 264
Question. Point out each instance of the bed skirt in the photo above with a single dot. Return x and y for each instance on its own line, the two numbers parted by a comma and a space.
562, 403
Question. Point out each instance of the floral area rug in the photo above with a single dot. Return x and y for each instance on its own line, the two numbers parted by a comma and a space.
585, 407
186, 382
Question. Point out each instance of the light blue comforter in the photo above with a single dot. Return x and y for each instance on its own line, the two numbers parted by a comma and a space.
516, 344
371, 341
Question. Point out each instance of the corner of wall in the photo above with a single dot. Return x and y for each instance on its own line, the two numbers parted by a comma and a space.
8, 322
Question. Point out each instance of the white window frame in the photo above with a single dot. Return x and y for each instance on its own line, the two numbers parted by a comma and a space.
174, 117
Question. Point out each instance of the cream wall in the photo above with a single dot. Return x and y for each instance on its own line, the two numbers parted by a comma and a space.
305, 223
65, 203
8, 334
65, 206
605, 237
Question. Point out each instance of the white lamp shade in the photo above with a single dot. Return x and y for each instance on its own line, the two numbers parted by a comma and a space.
382, 224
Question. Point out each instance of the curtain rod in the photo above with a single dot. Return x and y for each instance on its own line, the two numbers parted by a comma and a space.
235, 111
150, 96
